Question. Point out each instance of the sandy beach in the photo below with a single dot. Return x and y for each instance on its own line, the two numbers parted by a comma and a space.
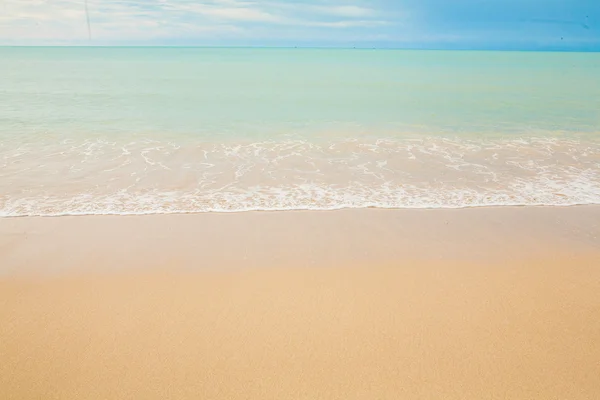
489, 303
299, 200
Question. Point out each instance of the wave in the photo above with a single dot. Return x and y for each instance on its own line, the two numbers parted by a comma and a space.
90, 177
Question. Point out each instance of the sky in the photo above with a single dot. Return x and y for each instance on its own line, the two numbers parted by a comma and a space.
427, 24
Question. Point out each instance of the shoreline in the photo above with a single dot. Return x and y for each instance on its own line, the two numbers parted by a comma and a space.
318, 210
339, 237
121, 177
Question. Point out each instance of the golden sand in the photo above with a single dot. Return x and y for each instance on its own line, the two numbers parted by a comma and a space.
365, 304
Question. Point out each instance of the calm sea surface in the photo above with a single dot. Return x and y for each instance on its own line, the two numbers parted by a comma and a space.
161, 130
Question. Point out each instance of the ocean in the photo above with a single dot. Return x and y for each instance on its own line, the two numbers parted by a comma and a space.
95, 130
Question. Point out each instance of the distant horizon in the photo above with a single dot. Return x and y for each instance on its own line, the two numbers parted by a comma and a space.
458, 49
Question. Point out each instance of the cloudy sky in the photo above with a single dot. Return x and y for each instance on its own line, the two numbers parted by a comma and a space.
492, 24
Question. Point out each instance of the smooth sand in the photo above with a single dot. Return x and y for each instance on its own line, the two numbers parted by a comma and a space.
355, 304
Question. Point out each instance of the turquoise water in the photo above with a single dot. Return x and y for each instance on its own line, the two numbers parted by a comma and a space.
144, 130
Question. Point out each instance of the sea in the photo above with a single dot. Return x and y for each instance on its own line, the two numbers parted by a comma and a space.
118, 130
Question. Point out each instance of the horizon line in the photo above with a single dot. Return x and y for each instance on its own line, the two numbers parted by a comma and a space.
290, 47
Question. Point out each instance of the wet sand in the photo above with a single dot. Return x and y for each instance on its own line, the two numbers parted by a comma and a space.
356, 304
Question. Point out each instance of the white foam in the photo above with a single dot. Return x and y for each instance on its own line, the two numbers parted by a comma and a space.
150, 177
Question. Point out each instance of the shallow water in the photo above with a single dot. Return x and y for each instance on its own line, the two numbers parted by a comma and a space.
157, 130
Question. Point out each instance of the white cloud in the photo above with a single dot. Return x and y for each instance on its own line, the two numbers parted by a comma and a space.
41, 21
230, 10
349, 24
345, 11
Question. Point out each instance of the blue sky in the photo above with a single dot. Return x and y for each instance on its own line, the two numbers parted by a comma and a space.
446, 24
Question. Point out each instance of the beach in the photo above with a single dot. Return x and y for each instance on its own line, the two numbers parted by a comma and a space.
495, 303
299, 223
